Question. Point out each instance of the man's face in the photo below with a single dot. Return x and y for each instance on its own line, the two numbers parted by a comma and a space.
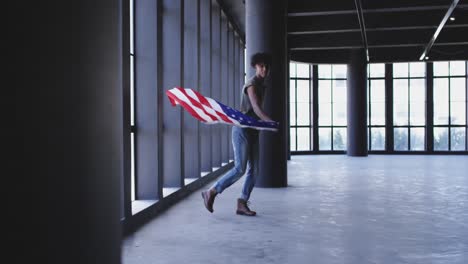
261, 69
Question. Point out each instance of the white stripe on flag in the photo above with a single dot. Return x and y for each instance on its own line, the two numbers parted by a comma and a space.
218, 108
207, 108
184, 98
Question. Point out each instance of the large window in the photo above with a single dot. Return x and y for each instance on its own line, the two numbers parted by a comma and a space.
412, 106
450, 106
376, 106
326, 86
332, 107
409, 106
300, 107
132, 97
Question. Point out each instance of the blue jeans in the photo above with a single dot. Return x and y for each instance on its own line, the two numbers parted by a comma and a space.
245, 145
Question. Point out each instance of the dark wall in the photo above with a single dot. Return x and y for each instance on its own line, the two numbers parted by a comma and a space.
216, 81
69, 117
172, 76
205, 80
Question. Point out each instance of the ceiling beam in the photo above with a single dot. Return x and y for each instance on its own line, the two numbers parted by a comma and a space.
362, 26
439, 28
392, 38
376, 10
234, 23
380, 46
371, 29
329, 48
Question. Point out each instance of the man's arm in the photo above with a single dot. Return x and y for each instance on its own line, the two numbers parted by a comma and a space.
254, 101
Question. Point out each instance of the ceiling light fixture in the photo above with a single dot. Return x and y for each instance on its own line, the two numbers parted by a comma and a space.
452, 18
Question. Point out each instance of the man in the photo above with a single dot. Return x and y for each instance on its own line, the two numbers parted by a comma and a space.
245, 140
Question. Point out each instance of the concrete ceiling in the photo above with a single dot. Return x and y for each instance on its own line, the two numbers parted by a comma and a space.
235, 9
390, 30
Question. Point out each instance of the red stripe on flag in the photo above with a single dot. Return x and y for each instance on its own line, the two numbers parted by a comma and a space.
202, 99
171, 99
197, 104
205, 102
186, 106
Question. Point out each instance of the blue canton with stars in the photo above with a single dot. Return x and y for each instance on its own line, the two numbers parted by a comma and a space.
246, 120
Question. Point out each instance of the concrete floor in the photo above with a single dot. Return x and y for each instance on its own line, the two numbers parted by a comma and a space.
337, 209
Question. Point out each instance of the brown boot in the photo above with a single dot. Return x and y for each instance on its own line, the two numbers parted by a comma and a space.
208, 198
243, 209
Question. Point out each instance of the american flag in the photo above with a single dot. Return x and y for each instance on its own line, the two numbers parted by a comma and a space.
210, 111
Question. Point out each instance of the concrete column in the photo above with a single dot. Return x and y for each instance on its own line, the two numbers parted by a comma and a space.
266, 32
146, 110
69, 114
205, 80
357, 104
172, 75
191, 80
216, 140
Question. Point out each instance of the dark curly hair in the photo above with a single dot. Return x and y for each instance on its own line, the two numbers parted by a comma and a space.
260, 57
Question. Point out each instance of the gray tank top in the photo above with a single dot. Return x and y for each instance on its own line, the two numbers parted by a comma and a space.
246, 106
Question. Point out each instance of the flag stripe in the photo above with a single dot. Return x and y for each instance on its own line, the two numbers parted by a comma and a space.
185, 105
218, 109
200, 113
210, 111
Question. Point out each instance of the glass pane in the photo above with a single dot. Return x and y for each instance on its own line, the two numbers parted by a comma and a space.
400, 114
457, 89
339, 138
303, 114
400, 97
292, 114
292, 70
339, 71
292, 137
303, 138
303, 70
441, 68
339, 91
339, 114
292, 90
418, 114
132, 166
324, 71
324, 117
441, 97
377, 138
377, 91
368, 111
457, 68
417, 90
377, 114
377, 70
400, 138
441, 113
132, 26
440, 138
303, 90
458, 138
400, 91
324, 138
417, 69
417, 138
458, 113
417, 102
400, 69
132, 91
324, 91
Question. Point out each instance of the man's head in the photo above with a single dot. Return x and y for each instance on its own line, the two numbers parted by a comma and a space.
261, 62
